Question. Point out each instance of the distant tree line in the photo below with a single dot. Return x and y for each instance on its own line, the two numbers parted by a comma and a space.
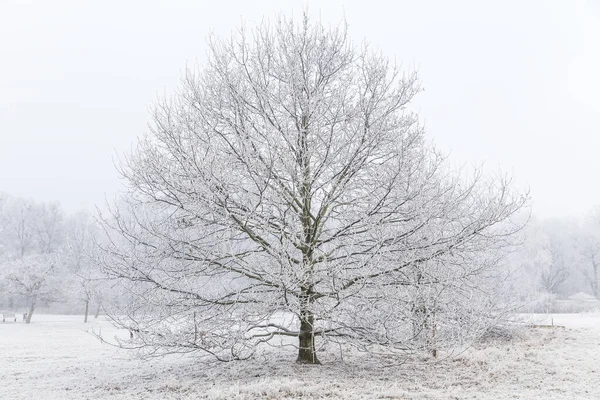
560, 256
45, 259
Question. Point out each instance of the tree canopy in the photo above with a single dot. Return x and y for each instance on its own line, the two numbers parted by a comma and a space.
287, 190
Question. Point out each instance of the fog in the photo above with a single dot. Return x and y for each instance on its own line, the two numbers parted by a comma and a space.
512, 85
195, 195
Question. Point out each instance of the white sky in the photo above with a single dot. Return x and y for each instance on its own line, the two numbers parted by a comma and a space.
514, 84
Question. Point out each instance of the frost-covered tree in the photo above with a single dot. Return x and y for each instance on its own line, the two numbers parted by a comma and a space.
20, 229
35, 277
588, 244
85, 278
287, 190
32, 237
554, 270
3, 224
549, 257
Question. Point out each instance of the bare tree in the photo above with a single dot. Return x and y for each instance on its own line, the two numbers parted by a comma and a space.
589, 248
288, 191
3, 223
20, 223
78, 256
32, 242
554, 271
48, 227
36, 277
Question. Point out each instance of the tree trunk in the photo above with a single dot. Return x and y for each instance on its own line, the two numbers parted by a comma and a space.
97, 311
434, 351
31, 310
87, 306
595, 278
306, 349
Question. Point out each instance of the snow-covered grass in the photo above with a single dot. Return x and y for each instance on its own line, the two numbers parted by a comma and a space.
55, 358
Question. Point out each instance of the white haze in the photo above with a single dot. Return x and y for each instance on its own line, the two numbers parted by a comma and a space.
513, 84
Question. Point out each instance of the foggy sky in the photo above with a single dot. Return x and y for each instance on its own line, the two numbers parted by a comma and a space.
514, 84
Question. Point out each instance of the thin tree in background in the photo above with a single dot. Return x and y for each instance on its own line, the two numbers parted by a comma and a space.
78, 255
589, 249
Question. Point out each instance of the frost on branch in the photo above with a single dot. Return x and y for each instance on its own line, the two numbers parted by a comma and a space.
287, 190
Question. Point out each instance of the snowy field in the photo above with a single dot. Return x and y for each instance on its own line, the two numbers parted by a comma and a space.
55, 358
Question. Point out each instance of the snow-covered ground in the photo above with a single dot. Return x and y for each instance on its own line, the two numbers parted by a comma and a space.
55, 358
